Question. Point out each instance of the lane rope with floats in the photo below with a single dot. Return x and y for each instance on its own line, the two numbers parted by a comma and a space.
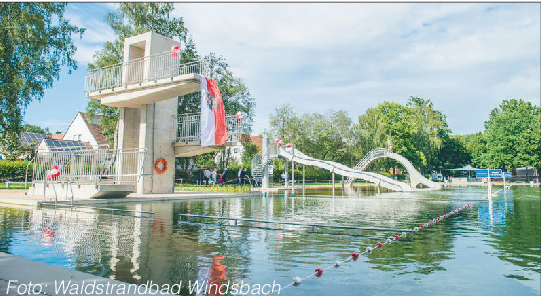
318, 272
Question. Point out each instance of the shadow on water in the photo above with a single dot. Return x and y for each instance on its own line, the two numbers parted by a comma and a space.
170, 248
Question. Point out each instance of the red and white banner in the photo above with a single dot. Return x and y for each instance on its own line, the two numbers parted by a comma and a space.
213, 128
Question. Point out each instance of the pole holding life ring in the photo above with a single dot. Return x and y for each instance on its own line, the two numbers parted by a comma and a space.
161, 166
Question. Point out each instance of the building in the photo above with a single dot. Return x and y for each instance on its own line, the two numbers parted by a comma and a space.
236, 151
48, 145
81, 129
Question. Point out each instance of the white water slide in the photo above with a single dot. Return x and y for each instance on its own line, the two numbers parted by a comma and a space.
415, 177
383, 181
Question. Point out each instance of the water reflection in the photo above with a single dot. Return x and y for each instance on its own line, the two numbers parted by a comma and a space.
170, 249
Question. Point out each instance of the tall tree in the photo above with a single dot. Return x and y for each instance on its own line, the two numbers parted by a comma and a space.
453, 152
36, 41
512, 136
430, 129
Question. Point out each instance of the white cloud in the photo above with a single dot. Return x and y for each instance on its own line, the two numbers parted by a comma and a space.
465, 57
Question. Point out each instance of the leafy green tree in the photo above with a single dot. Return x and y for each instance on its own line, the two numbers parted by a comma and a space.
34, 129
453, 152
323, 136
430, 129
36, 41
512, 135
476, 147
250, 150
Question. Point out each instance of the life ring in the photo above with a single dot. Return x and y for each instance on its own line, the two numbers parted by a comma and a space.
161, 166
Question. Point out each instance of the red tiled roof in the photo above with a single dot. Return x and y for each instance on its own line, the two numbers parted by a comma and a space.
56, 136
258, 141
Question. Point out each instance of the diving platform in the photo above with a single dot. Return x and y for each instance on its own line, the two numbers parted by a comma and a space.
146, 87
150, 73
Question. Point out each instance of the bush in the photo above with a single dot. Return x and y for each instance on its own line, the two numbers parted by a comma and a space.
14, 170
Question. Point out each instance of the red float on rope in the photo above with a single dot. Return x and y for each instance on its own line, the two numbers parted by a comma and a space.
379, 245
397, 237
319, 272
354, 255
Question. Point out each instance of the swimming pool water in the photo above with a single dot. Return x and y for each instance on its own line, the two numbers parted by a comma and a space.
492, 248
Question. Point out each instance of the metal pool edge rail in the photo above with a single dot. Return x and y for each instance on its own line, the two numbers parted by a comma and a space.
411, 231
135, 212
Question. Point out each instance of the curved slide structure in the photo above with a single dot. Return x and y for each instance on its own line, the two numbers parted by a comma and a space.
299, 157
415, 177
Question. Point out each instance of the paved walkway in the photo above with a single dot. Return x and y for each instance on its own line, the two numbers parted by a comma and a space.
50, 277
17, 197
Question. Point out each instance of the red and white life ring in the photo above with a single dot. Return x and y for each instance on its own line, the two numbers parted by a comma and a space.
161, 166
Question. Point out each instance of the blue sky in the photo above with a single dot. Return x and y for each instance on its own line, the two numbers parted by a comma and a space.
466, 57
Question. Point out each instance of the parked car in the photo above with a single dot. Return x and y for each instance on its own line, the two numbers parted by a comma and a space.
437, 177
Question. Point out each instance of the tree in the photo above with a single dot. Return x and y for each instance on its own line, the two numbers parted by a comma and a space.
476, 147
453, 152
34, 129
512, 136
430, 129
250, 150
35, 43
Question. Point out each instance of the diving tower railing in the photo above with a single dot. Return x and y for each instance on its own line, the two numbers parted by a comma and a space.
141, 70
90, 166
189, 127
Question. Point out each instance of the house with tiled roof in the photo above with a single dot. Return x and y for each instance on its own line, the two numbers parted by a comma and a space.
236, 151
84, 130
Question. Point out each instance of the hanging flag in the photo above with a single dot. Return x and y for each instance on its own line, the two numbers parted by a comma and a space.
213, 128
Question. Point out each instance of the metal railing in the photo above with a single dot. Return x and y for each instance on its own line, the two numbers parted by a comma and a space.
137, 71
102, 166
189, 127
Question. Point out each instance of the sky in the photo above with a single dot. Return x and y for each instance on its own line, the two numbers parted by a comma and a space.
467, 58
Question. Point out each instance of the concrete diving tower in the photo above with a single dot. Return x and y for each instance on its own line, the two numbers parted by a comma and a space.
146, 87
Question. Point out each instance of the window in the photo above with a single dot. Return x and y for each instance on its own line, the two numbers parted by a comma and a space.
235, 150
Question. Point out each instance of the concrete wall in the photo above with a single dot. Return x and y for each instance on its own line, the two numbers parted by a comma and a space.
150, 125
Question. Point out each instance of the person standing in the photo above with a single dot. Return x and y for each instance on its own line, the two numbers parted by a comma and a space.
238, 175
207, 176
214, 176
224, 177
243, 176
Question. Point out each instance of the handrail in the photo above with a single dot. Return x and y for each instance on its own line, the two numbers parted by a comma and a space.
139, 70
382, 152
189, 127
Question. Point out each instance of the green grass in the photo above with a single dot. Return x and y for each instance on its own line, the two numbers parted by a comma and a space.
228, 188
13, 186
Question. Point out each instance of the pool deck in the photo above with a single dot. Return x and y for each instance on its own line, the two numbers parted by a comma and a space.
14, 268
17, 197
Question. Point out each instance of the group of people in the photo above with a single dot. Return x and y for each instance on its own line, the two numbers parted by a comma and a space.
212, 177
